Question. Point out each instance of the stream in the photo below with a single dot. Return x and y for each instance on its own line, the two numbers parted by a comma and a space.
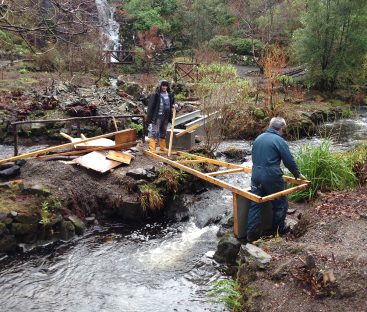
158, 266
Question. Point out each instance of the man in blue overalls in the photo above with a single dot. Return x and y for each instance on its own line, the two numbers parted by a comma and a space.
268, 150
160, 111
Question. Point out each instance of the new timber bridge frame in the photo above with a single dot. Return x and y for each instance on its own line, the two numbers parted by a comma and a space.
241, 197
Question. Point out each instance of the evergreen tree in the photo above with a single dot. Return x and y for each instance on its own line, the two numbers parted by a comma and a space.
333, 41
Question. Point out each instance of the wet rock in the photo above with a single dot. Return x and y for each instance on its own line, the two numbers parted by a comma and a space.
120, 80
35, 189
236, 153
8, 243
7, 165
26, 219
56, 219
137, 174
90, 220
227, 249
12, 214
2, 228
67, 230
3, 216
130, 210
8, 221
252, 253
21, 162
23, 229
134, 89
78, 224
10, 172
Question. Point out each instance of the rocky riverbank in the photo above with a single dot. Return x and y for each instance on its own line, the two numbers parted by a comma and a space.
50, 200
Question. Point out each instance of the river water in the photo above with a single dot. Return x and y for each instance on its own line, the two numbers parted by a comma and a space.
158, 266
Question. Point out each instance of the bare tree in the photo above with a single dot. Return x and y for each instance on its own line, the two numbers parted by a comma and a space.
40, 22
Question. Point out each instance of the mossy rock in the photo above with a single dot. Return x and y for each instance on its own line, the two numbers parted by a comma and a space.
78, 224
23, 229
2, 228
227, 249
8, 243
67, 230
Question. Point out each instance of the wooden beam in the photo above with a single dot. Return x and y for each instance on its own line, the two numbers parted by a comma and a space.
302, 183
216, 173
192, 128
216, 162
235, 215
54, 148
285, 192
172, 130
203, 176
101, 148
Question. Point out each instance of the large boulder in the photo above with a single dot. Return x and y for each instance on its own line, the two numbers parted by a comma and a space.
227, 249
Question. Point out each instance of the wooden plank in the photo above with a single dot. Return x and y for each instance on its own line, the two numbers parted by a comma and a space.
192, 128
128, 135
91, 144
124, 158
101, 148
203, 176
285, 192
160, 152
96, 161
54, 148
217, 162
216, 173
172, 130
235, 215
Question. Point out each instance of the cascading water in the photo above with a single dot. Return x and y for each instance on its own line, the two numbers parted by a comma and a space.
110, 28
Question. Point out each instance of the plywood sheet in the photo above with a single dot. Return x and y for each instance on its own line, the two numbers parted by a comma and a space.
120, 157
97, 161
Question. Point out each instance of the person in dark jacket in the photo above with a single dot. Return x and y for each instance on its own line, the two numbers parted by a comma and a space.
160, 111
268, 150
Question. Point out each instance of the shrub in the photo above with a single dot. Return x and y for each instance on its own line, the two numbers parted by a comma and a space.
326, 170
235, 45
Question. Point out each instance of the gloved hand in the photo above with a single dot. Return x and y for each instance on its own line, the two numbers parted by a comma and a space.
302, 177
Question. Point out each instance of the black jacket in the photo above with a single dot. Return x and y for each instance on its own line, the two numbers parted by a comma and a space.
153, 105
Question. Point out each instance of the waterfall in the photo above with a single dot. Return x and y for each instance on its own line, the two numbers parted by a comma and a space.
110, 28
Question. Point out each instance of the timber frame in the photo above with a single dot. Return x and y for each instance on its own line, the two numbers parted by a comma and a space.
231, 168
241, 197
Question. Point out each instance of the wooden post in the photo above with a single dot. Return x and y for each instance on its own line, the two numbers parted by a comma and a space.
172, 129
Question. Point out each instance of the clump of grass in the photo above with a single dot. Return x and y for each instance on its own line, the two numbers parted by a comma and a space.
326, 170
358, 158
150, 197
228, 293
171, 178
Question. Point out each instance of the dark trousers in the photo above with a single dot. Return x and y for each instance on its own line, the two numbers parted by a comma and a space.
268, 186
158, 128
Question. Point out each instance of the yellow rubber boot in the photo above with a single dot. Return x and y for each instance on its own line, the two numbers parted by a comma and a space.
152, 144
162, 145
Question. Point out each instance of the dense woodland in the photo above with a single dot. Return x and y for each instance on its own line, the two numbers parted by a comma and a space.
328, 37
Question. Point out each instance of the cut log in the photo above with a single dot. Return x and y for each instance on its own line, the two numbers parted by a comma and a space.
124, 158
